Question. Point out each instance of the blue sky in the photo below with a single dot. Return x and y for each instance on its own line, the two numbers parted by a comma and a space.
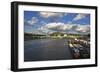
48, 22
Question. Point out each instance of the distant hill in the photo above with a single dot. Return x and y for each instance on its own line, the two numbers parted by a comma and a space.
56, 34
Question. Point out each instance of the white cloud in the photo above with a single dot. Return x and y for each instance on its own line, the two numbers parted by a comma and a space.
50, 14
38, 32
58, 26
66, 27
32, 21
79, 16
83, 28
43, 30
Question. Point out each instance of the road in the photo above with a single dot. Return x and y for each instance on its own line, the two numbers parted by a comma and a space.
46, 49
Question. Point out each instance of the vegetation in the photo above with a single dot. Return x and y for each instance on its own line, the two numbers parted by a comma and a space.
55, 35
29, 36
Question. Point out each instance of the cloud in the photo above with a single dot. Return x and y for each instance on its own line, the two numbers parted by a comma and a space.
79, 16
38, 31
51, 14
83, 28
68, 28
32, 21
58, 26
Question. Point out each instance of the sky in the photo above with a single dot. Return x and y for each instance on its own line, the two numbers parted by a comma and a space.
42, 22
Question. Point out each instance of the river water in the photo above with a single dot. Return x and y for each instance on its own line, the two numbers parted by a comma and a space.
46, 49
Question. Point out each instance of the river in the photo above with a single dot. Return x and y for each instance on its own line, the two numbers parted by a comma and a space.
46, 49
